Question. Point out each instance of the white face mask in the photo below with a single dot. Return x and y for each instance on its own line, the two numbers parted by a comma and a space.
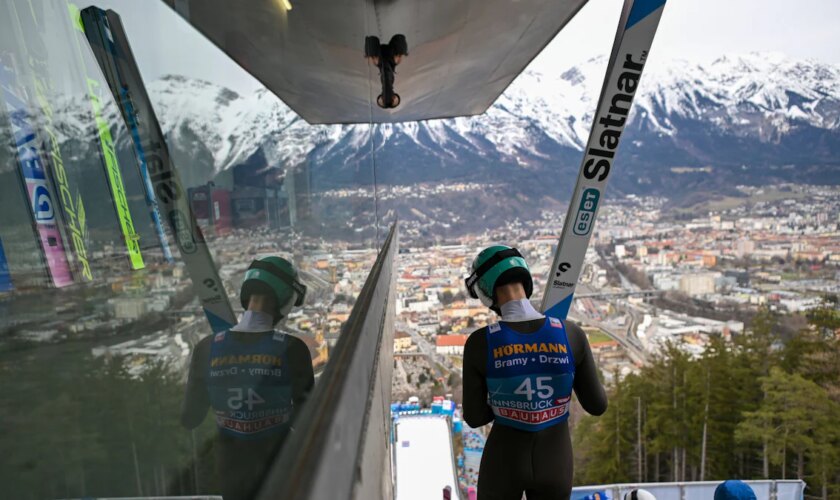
519, 310
255, 321
487, 301
287, 307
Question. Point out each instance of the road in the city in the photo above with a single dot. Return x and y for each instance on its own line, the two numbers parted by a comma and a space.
626, 338
429, 350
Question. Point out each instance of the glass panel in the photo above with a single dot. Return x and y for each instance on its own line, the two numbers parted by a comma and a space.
100, 331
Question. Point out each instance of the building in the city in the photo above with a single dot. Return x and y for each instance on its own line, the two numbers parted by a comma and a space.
211, 206
402, 342
451, 344
258, 197
666, 282
742, 276
254, 207
744, 248
128, 307
697, 284
620, 251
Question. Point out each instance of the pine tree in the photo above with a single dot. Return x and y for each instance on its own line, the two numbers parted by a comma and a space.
787, 421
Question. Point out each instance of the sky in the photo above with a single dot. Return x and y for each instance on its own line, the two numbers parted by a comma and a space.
703, 30
694, 30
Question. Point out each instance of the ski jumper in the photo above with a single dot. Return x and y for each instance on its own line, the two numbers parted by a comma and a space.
255, 383
520, 375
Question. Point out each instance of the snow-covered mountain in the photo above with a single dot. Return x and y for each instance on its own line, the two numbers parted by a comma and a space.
754, 111
756, 118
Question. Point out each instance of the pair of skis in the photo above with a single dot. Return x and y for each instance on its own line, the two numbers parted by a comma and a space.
26, 86
41, 166
107, 38
636, 29
32, 170
126, 107
30, 33
107, 147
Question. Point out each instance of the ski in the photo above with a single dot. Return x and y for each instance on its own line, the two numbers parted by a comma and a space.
30, 35
636, 29
109, 156
33, 174
5, 276
101, 39
105, 29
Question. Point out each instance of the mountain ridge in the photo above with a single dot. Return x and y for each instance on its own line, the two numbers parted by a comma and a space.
695, 131
755, 110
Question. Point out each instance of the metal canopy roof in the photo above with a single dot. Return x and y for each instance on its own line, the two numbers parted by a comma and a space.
462, 53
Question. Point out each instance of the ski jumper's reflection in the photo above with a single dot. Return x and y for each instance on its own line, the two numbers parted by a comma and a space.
254, 377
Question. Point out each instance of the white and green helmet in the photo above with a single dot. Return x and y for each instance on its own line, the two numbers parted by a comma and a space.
276, 277
496, 266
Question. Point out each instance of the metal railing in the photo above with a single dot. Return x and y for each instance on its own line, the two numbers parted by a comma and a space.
341, 448
697, 490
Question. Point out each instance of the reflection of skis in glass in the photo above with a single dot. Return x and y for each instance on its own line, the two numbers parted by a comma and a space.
124, 100
34, 177
5, 276
104, 29
31, 33
639, 20
131, 121
109, 156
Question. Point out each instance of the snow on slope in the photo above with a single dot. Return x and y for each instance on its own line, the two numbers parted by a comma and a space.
770, 84
424, 458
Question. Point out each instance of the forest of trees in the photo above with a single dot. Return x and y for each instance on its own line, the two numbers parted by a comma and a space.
764, 405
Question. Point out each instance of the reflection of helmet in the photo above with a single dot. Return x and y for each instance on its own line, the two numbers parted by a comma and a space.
639, 494
496, 266
275, 277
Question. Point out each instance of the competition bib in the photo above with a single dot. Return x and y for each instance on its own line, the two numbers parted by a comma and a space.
250, 390
530, 375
